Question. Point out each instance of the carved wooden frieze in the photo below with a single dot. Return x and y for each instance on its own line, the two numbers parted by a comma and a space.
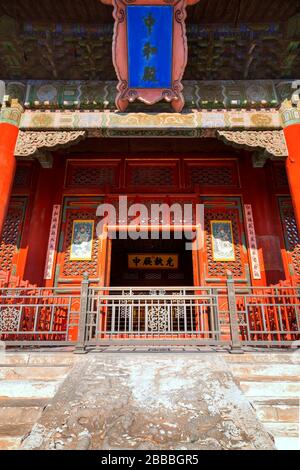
150, 50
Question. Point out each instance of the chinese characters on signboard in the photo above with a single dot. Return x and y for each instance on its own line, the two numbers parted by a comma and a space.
150, 46
153, 261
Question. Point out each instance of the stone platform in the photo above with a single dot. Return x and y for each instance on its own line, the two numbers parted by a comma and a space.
141, 400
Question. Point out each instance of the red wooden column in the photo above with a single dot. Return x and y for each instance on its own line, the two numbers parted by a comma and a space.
10, 117
291, 124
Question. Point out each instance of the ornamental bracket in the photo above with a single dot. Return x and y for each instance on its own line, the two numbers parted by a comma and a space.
39, 144
268, 144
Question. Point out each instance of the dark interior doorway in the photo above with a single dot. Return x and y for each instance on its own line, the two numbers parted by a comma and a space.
123, 275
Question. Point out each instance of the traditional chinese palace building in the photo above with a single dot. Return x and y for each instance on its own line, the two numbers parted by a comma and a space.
187, 102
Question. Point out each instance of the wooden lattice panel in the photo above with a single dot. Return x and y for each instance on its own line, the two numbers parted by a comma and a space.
91, 175
280, 176
12, 231
291, 234
151, 176
23, 176
211, 174
218, 269
75, 269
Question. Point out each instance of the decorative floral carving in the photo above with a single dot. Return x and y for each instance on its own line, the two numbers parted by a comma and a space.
272, 141
30, 142
9, 319
158, 319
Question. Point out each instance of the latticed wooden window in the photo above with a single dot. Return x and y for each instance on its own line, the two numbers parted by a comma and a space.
91, 176
151, 176
212, 176
292, 239
280, 175
23, 176
12, 232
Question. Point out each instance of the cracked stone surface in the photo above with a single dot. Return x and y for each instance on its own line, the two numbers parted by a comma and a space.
148, 401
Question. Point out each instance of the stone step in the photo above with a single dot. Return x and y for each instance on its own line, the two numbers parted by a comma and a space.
10, 416
280, 412
283, 429
28, 389
10, 443
273, 389
45, 373
265, 372
287, 443
255, 358
37, 358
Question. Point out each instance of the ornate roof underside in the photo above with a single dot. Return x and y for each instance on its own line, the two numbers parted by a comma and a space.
71, 40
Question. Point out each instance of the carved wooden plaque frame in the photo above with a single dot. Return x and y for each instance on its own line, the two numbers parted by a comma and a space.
179, 50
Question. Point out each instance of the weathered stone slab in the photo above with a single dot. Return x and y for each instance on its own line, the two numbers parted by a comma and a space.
275, 389
10, 443
149, 401
266, 371
27, 389
33, 373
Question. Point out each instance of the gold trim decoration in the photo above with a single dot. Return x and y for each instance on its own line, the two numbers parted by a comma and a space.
84, 238
225, 243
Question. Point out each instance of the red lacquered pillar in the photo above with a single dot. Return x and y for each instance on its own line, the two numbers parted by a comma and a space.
290, 116
10, 116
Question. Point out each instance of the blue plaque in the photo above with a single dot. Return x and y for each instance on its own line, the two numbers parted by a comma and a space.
149, 41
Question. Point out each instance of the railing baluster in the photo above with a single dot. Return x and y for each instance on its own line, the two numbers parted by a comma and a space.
80, 346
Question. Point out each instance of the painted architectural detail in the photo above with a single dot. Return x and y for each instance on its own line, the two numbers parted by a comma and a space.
31, 142
11, 112
204, 94
218, 269
160, 124
73, 268
52, 243
272, 141
290, 114
256, 272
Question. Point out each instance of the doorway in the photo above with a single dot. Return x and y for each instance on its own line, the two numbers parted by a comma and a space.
151, 263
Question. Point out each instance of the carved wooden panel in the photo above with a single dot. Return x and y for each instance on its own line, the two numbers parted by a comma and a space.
207, 173
23, 176
216, 270
291, 235
92, 174
77, 209
150, 176
12, 234
280, 176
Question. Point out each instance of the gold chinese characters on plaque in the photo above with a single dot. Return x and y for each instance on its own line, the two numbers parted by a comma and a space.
153, 261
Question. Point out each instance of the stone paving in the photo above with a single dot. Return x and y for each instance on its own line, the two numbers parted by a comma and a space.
149, 401
142, 400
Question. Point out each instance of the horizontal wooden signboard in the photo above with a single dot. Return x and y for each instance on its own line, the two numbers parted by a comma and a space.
152, 261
